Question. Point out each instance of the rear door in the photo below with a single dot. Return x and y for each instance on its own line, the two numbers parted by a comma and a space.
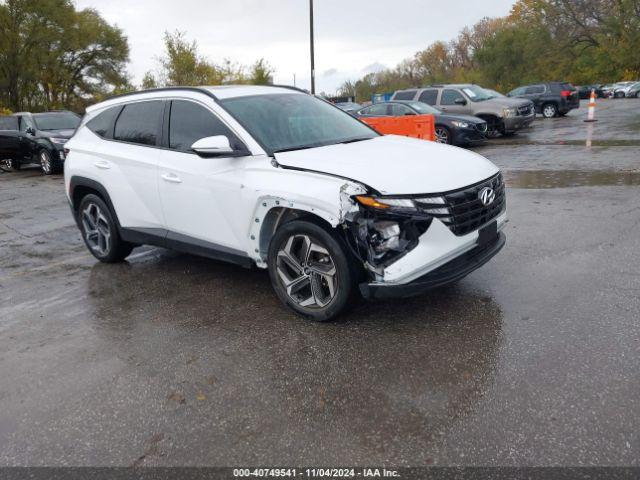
128, 165
200, 196
9, 146
429, 96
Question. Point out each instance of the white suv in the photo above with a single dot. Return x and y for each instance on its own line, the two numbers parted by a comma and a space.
275, 177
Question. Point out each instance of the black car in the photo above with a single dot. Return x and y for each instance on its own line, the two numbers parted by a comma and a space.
550, 98
452, 129
584, 91
36, 138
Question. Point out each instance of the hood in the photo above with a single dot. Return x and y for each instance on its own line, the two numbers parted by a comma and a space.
510, 101
461, 118
395, 165
58, 133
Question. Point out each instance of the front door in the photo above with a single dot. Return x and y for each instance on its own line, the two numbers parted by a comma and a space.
452, 101
200, 196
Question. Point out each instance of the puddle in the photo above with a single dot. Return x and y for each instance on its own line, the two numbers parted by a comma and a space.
569, 178
587, 142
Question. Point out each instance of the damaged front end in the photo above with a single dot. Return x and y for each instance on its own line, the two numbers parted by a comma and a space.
384, 229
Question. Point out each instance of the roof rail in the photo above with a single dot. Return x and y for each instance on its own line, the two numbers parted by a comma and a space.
290, 87
164, 89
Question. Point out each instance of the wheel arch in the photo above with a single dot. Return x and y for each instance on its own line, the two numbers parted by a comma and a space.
79, 187
272, 212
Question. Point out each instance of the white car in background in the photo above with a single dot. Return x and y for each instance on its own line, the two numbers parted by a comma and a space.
274, 177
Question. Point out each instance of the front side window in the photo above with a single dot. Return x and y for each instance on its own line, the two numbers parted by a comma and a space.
535, 89
25, 123
449, 97
294, 121
190, 122
101, 123
56, 121
398, 110
429, 97
405, 95
379, 109
139, 123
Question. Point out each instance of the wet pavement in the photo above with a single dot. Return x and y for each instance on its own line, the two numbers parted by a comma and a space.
170, 359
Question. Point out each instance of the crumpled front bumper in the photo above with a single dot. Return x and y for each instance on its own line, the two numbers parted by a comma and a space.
439, 258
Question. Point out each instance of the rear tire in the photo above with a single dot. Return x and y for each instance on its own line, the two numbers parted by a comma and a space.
311, 270
13, 165
100, 232
549, 110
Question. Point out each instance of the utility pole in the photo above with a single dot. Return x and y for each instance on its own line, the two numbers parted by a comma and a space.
313, 68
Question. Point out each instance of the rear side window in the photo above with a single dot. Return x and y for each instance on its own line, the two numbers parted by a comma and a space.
398, 110
101, 124
429, 97
9, 123
139, 123
449, 97
405, 95
190, 122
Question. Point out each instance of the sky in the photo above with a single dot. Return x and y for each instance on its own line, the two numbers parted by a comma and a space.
352, 37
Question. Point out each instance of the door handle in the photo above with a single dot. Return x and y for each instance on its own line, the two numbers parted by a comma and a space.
103, 165
171, 177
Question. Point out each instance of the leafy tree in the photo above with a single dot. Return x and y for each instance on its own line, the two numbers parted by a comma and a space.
261, 73
53, 56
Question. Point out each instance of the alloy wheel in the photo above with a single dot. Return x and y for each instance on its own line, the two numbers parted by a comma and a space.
45, 162
307, 272
9, 163
96, 229
442, 135
549, 111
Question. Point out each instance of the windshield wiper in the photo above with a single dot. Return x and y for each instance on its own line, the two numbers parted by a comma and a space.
352, 140
292, 149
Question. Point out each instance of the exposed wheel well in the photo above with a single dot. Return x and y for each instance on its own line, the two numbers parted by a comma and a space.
82, 191
278, 216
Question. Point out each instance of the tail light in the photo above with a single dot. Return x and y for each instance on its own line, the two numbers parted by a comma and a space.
566, 93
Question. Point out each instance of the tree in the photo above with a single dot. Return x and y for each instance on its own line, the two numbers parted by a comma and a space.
261, 73
53, 56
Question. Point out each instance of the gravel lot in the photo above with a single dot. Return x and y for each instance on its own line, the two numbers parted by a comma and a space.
171, 359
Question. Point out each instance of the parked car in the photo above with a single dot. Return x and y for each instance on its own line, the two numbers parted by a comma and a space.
350, 107
452, 129
550, 98
503, 115
584, 91
607, 90
36, 138
623, 89
275, 177
633, 91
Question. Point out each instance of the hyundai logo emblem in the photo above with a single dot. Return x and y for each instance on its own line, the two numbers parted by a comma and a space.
487, 195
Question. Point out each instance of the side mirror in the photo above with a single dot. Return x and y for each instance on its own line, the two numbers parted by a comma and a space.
215, 146
460, 101
30, 131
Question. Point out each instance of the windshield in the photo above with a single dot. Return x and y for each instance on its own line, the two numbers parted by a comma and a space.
293, 121
56, 121
424, 108
476, 94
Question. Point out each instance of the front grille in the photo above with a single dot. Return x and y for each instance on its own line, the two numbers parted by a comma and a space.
462, 211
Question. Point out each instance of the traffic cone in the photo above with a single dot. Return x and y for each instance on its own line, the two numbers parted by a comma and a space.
592, 107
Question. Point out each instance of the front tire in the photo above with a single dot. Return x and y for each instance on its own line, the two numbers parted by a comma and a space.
100, 232
46, 162
13, 165
310, 270
443, 135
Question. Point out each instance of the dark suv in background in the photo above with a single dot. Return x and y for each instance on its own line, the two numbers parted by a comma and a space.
550, 98
36, 138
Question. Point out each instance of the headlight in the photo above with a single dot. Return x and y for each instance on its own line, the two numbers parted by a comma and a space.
58, 141
510, 112
407, 205
460, 124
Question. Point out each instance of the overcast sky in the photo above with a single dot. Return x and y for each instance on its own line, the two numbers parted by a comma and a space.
353, 37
